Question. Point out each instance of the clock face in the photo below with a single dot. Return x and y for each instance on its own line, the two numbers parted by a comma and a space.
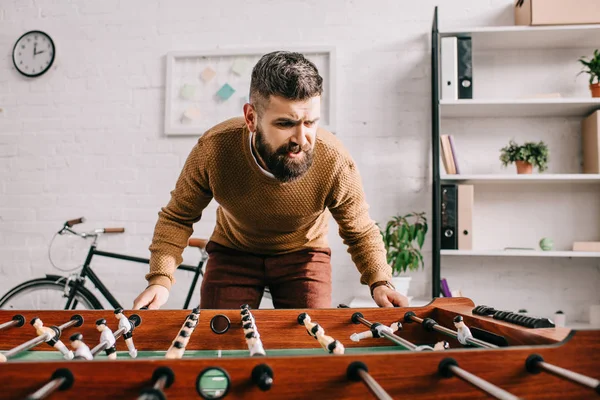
33, 53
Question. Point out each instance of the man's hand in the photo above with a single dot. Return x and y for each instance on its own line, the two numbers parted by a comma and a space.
387, 297
153, 297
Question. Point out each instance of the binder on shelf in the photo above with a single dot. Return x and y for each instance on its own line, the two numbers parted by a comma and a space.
449, 213
466, 200
448, 154
449, 68
465, 68
590, 141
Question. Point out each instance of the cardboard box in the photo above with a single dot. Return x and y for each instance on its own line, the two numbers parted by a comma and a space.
557, 12
590, 143
586, 246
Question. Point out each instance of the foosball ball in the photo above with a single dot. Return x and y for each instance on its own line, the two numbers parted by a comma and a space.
448, 349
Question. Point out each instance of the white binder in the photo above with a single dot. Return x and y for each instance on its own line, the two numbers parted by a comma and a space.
449, 69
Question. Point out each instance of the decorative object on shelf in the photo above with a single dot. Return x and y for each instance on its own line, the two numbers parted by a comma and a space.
546, 244
403, 237
448, 154
586, 246
592, 67
525, 156
187, 91
221, 79
560, 319
33, 53
547, 12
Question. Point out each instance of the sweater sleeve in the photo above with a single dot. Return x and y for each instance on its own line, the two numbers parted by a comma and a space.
359, 232
175, 221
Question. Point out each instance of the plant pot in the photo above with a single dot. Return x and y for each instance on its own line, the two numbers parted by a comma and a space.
523, 167
595, 89
401, 283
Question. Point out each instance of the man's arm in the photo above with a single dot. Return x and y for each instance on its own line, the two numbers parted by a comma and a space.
362, 236
358, 231
175, 221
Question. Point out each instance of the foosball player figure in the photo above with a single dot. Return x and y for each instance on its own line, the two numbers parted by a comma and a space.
442, 345
82, 351
255, 344
107, 336
463, 332
376, 331
128, 333
53, 335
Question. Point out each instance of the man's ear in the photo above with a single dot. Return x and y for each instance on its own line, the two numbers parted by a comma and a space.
250, 117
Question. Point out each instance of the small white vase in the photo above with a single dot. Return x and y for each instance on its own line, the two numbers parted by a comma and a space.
401, 283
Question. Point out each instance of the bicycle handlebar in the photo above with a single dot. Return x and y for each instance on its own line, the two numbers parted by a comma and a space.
72, 222
114, 230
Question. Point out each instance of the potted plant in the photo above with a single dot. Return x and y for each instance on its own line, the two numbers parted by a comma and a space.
403, 237
592, 67
526, 157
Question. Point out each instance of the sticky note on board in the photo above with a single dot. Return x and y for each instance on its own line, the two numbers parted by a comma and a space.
240, 65
187, 91
225, 91
191, 114
208, 74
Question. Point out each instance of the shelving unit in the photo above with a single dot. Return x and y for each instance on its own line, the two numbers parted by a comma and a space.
504, 38
527, 179
520, 253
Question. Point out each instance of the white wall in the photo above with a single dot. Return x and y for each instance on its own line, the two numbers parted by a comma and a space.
86, 138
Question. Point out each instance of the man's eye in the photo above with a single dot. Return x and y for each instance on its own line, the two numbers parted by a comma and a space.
285, 124
309, 123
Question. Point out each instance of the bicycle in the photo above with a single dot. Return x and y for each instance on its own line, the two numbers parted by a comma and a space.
73, 287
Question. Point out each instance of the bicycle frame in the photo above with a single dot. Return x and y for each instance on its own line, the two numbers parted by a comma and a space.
88, 272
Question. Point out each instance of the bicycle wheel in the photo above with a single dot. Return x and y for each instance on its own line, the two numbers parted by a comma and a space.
46, 294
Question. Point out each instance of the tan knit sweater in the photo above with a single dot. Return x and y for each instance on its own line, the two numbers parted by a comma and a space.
259, 214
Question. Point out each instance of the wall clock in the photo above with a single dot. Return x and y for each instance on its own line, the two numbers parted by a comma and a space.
33, 53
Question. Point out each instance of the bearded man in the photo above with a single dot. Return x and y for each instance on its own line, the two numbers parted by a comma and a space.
277, 178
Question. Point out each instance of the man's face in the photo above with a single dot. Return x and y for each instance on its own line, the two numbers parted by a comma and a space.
100, 328
285, 136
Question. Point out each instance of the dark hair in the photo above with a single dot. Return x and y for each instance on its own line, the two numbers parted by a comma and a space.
33, 320
118, 311
101, 321
286, 74
76, 336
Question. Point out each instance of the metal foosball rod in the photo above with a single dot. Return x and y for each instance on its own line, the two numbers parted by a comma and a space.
536, 364
162, 378
16, 321
76, 320
357, 371
61, 379
448, 367
464, 336
380, 330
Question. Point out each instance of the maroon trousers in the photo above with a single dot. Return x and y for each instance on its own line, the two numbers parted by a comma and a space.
296, 280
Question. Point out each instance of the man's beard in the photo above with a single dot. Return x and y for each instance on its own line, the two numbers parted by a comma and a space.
283, 167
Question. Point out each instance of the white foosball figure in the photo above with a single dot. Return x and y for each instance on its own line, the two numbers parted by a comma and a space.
442, 345
127, 334
107, 336
357, 337
254, 344
52, 337
2, 358
81, 349
463, 332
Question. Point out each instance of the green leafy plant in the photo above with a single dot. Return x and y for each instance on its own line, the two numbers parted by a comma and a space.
592, 67
403, 237
533, 153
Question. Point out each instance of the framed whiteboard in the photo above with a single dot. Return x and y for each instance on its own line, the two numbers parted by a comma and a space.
203, 88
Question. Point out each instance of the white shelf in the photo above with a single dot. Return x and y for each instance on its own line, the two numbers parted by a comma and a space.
549, 107
520, 253
530, 178
531, 37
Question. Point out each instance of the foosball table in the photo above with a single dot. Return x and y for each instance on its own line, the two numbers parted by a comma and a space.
448, 349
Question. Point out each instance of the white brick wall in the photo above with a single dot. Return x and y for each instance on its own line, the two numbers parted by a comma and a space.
86, 138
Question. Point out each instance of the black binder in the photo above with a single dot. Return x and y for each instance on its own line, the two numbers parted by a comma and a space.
449, 213
465, 68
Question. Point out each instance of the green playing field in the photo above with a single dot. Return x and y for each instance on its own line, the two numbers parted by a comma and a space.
55, 355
